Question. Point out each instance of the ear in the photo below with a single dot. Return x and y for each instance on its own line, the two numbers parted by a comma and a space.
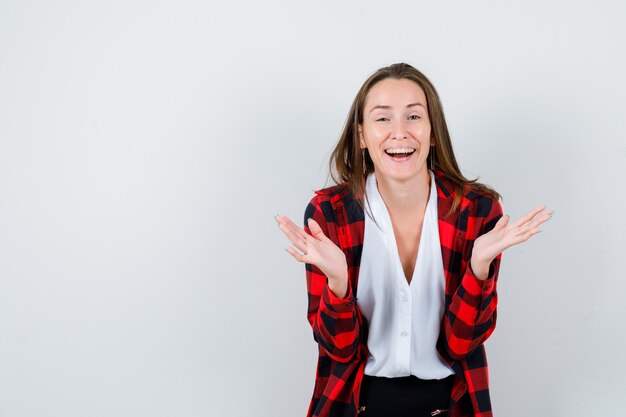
361, 140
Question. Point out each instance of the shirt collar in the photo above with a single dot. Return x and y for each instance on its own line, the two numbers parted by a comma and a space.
378, 206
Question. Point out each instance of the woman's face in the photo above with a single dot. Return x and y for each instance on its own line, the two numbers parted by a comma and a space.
395, 116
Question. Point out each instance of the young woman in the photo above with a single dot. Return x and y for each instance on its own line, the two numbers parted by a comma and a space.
401, 296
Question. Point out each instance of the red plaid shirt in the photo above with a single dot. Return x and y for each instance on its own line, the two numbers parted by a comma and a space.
340, 329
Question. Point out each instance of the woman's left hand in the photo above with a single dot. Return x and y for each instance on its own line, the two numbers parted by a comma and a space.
504, 235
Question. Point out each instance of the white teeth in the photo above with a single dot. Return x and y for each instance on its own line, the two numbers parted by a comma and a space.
394, 151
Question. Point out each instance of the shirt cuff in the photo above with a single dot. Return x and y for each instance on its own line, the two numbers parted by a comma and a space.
339, 304
476, 286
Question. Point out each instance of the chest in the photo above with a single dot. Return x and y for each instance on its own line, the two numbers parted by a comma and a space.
348, 230
407, 233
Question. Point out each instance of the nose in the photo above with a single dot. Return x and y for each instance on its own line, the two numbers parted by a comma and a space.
399, 128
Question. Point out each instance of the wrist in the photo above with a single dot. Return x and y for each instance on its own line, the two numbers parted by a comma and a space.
339, 287
339, 278
480, 269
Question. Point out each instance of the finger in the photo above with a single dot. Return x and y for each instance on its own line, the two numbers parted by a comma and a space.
523, 229
294, 227
297, 256
316, 229
529, 216
540, 218
502, 221
299, 229
295, 238
532, 215
527, 233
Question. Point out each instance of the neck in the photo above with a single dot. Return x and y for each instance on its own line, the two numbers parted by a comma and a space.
405, 196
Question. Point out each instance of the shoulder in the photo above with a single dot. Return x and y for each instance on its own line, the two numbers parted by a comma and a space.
469, 191
337, 195
475, 201
480, 198
485, 209
337, 204
332, 190
325, 199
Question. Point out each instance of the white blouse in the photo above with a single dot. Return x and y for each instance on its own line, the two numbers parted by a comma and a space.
404, 319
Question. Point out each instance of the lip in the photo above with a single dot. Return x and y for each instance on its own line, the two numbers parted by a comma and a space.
400, 160
401, 147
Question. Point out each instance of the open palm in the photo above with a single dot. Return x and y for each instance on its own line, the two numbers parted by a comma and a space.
504, 235
317, 249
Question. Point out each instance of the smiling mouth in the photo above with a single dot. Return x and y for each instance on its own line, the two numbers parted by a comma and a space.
400, 156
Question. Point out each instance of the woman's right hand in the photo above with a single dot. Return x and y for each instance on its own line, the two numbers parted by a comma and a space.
318, 250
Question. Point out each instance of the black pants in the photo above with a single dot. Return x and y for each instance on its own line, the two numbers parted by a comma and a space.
407, 396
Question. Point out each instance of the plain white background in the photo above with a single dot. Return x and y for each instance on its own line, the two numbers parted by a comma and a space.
145, 147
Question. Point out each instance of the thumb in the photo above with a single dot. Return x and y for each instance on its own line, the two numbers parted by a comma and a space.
316, 229
502, 221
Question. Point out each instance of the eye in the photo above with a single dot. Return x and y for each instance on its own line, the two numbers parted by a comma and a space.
416, 116
378, 120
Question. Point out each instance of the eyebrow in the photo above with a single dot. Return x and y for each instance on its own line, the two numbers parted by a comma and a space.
380, 106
